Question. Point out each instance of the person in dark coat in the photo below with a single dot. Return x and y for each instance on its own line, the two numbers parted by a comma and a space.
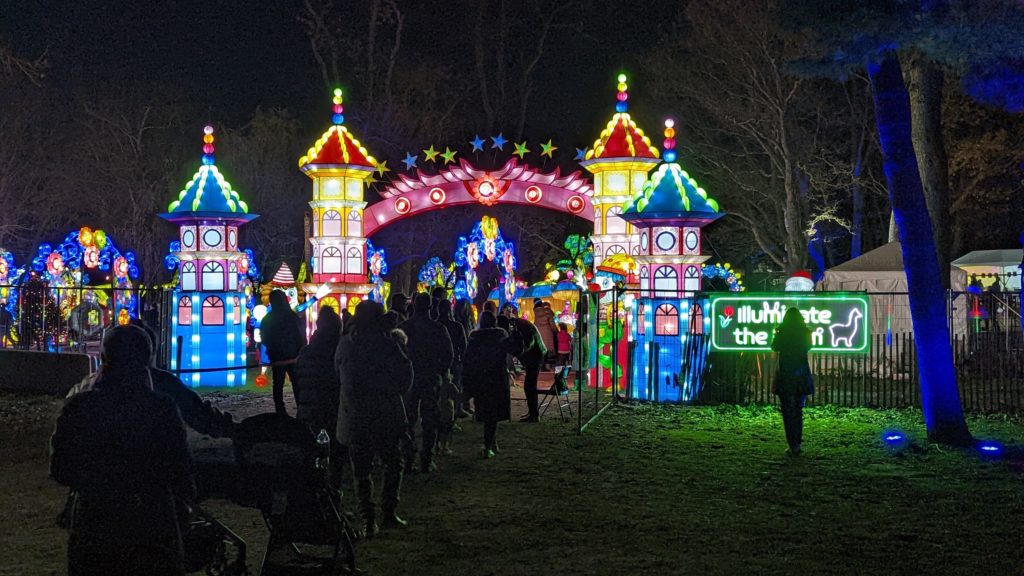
374, 376
430, 351
284, 336
197, 414
463, 312
793, 381
122, 449
450, 402
399, 304
486, 378
528, 346
316, 382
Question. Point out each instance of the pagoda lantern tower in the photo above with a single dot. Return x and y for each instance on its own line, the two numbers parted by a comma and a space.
619, 160
339, 167
209, 316
669, 213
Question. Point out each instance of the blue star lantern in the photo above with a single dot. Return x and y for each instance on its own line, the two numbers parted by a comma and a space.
581, 154
410, 161
478, 143
499, 142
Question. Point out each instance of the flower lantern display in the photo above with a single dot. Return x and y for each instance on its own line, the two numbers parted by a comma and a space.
486, 239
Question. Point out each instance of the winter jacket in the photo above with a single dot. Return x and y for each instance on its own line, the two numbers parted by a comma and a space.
528, 345
457, 334
430, 350
564, 340
126, 456
794, 373
484, 376
544, 320
281, 330
196, 413
374, 375
316, 383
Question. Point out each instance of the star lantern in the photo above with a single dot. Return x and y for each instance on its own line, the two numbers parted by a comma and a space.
498, 142
478, 143
448, 155
430, 155
547, 148
521, 150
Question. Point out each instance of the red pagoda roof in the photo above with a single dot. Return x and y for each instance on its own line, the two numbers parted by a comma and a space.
337, 146
622, 138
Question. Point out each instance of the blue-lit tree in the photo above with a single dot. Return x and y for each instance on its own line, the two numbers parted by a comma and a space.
969, 37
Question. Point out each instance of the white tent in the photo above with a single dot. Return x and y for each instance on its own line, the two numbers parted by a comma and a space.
880, 273
1001, 264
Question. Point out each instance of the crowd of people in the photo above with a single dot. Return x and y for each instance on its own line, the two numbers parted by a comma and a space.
389, 386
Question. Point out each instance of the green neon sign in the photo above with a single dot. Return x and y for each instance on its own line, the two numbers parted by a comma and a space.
746, 323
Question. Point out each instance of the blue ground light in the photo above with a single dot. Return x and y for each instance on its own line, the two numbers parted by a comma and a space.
989, 448
894, 439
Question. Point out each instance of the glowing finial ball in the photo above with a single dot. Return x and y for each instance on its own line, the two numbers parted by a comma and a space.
670, 123
261, 381
337, 92
208, 129
622, 78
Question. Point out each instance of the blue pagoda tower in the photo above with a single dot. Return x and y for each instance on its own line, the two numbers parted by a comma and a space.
209, 315
670, 212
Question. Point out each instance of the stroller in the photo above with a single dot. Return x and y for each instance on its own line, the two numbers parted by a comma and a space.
285, 473
206, 543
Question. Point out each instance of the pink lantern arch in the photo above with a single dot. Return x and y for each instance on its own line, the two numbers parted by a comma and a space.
464, 184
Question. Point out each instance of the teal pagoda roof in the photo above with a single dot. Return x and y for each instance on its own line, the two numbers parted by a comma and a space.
670, 195
208, 191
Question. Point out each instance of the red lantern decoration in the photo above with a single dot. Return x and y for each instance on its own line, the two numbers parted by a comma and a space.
261, 381
534, 194
54, 264
91, 257
575, 204
402, 206
437, 196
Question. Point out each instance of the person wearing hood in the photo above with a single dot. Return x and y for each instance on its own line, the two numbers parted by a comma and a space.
486, 379
793, 380
122, 449
430, 351
374, 376
284, 336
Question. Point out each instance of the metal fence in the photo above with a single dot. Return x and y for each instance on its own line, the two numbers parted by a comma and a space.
34, 316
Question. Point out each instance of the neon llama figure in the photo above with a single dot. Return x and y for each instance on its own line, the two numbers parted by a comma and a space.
339, 167
209, 316
669, 212
619, 160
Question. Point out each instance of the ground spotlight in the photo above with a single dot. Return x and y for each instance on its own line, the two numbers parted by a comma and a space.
989, 448
894, 439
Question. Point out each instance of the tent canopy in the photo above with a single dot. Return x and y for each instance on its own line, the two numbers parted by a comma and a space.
880, 273
995, 258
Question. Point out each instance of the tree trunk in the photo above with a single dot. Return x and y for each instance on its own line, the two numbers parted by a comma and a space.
940, 397
924, 80
796, 239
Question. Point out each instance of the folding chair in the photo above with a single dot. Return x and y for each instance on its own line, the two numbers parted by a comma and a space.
558, 393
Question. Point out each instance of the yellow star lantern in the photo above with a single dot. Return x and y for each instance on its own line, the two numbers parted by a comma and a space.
382, 168
547, 148
521, 150
430, 154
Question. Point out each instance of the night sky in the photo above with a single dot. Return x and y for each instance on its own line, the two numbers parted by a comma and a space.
229, 57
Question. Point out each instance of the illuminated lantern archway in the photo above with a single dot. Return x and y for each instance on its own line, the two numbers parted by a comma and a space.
464, 184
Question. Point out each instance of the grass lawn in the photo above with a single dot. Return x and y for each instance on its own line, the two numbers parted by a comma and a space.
645, 490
